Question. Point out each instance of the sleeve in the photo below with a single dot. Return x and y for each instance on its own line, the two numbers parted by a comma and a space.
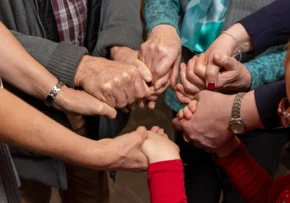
158, 12
269, 26
60, 59
267, 99
267, 67
250, 180
121, 26
166, 182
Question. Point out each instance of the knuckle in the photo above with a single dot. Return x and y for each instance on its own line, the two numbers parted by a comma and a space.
107, 87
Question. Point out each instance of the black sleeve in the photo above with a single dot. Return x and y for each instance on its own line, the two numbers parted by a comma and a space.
267, 99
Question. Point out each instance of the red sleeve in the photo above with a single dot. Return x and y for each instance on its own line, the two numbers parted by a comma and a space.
250, 180
166, 182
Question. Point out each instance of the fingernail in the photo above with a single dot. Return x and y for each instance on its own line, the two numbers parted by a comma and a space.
211, 86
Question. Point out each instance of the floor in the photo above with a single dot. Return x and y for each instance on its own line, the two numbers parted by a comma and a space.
132, 187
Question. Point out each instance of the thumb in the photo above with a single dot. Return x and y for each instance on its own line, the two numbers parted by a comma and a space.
142, 133
229, 63
103, 109
143, 70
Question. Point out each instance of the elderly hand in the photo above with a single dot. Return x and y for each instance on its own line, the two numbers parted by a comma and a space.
124, 152
162, 54
114, 83
130, 56
208, 126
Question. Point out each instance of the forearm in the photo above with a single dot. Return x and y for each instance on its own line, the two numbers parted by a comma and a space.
23, 126
166, 182
60, 59
249, 112
157, 12
249, 179
20, 70
269, 26
267, 67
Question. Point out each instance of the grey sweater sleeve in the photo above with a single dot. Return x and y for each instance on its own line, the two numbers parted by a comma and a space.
60, 59
121, 26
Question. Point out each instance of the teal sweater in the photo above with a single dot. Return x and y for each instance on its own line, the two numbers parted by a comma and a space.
264, 69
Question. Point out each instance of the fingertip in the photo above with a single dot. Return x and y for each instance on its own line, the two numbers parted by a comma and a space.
192, 106
151, 105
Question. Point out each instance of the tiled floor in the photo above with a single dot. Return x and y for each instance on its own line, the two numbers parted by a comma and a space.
132, 187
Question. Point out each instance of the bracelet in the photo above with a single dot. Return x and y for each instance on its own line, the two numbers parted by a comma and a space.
53, 93
238, 45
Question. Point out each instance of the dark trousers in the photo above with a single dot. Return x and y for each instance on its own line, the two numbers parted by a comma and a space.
205, 180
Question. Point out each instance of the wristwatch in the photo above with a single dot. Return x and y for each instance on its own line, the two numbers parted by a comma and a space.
236, 124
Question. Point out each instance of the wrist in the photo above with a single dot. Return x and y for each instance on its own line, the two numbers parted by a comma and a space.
228, 148
244, 40
80, 70
249, 112
162, 29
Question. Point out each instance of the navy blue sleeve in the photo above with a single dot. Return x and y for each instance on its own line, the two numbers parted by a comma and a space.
269, 26
267, 99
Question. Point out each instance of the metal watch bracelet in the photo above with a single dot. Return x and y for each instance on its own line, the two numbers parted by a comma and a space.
53, 93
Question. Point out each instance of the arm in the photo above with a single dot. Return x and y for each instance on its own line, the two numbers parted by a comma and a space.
165, 172
60, 59
156, 13
269, 25
267, 67
250, 180
121, 26
29, 76
23, 126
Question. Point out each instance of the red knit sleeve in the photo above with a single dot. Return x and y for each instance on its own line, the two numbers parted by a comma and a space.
250, 180
166, 182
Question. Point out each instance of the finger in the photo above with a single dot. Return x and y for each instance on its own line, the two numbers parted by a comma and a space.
140, 104
147, 89
192, 106
187, 113
180, 114
200, 67
143, 70
151, 105
164, 66
103, 109
125, 110
142, 132
177, 124
139, 88
181, 95
131, 106
229, 63
175, 71
212, 71
154, 129
162, 81
198, 145
188, 86
160, 131
120, 98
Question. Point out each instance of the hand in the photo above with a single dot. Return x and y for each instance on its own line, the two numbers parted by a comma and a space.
238, 39
157, 147
192, 79
235, 76
112, 82
208, 126
162, 54
81, 103
124, 152
130, 56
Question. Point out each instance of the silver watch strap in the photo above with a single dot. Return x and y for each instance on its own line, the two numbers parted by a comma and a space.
53, 93
236, 109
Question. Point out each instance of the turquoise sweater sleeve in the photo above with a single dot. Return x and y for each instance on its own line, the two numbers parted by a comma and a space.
161, 12
267, 67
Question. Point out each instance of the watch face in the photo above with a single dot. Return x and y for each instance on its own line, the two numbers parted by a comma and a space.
237, 127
